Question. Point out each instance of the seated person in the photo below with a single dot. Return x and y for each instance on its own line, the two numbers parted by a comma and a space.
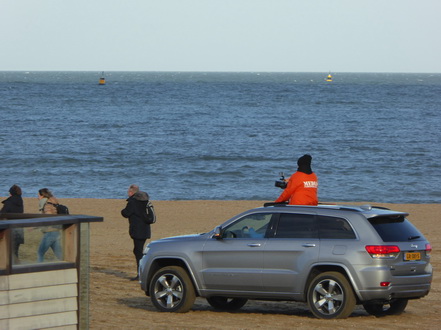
250, 232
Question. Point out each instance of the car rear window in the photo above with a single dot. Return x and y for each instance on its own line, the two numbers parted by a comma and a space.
395, 229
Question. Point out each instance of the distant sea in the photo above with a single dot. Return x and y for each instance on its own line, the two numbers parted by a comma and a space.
223, 136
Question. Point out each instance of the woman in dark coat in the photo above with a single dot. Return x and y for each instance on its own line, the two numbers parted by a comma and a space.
14, 204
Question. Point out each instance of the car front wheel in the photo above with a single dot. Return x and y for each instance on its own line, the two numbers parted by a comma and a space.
330, 296
171, 290
226, 304
395, 307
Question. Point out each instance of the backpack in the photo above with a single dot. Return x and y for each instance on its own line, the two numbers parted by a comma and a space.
151, 216
61, 209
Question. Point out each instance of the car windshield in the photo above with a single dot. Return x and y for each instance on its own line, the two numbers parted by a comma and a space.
395, 229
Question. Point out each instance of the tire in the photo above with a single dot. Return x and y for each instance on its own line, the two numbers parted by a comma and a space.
395, 307
330, 296
226, 304
171, 290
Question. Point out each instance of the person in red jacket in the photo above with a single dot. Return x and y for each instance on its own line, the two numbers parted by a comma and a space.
302, 185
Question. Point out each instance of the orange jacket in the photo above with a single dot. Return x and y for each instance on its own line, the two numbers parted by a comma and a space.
301, 190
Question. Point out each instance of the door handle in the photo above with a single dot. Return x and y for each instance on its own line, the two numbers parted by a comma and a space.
309, 245
254, 245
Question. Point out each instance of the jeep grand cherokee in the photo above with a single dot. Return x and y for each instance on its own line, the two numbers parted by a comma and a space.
331, 257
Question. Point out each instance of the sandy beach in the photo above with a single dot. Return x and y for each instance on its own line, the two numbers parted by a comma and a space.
118, 303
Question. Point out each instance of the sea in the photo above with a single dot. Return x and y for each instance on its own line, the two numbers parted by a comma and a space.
374, 137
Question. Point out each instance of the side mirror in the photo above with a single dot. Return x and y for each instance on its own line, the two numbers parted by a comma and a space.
217, 232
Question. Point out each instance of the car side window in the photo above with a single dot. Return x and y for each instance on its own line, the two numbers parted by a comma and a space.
296, 226
335, 228
250, 226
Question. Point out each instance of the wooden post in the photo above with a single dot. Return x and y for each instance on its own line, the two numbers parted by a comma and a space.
71, 237
5, 251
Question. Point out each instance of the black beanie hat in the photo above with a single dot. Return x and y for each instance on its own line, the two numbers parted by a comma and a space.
304, 164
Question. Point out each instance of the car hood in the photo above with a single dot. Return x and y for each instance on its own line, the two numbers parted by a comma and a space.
178, 238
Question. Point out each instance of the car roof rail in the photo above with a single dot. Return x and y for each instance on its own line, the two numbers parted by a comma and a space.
274, 204
352, 208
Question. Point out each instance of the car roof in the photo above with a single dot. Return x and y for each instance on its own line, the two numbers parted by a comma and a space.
367, 210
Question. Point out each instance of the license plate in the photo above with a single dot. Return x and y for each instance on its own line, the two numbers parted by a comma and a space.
412, 256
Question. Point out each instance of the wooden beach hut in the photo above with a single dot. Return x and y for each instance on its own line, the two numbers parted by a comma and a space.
49, 293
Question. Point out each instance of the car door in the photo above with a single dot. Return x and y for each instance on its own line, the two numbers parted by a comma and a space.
338, 243
289, 253
234, 262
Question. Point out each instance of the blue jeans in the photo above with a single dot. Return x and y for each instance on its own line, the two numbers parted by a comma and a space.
50, 240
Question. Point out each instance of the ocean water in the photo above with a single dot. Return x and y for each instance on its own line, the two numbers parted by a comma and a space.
222, 136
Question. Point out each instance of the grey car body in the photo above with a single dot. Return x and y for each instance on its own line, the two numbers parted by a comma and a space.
332, 257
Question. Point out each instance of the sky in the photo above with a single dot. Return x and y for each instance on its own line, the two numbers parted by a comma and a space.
221, 35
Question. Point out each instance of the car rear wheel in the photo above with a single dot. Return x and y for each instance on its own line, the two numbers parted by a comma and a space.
330, 296
226, 304
395, 307
171, 290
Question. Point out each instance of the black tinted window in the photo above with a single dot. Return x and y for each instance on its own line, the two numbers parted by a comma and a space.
296, 226
395, 229
336, 228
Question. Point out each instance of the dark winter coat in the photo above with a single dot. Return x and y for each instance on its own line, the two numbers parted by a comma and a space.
13, 204
135, 211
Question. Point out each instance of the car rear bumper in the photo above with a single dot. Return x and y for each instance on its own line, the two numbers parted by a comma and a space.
408, 287
379, 283
396, 292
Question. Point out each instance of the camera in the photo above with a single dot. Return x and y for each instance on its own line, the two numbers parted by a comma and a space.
281, 183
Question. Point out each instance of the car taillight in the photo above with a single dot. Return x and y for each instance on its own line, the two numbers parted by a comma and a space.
428, 249
383, 251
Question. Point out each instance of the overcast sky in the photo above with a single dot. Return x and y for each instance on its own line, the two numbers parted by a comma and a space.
221, 35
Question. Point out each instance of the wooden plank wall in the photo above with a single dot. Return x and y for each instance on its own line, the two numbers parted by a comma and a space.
39, 300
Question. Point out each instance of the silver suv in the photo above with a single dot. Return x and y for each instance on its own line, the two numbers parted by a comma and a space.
332, 257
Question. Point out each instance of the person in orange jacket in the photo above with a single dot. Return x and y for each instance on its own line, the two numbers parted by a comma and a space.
302, 185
